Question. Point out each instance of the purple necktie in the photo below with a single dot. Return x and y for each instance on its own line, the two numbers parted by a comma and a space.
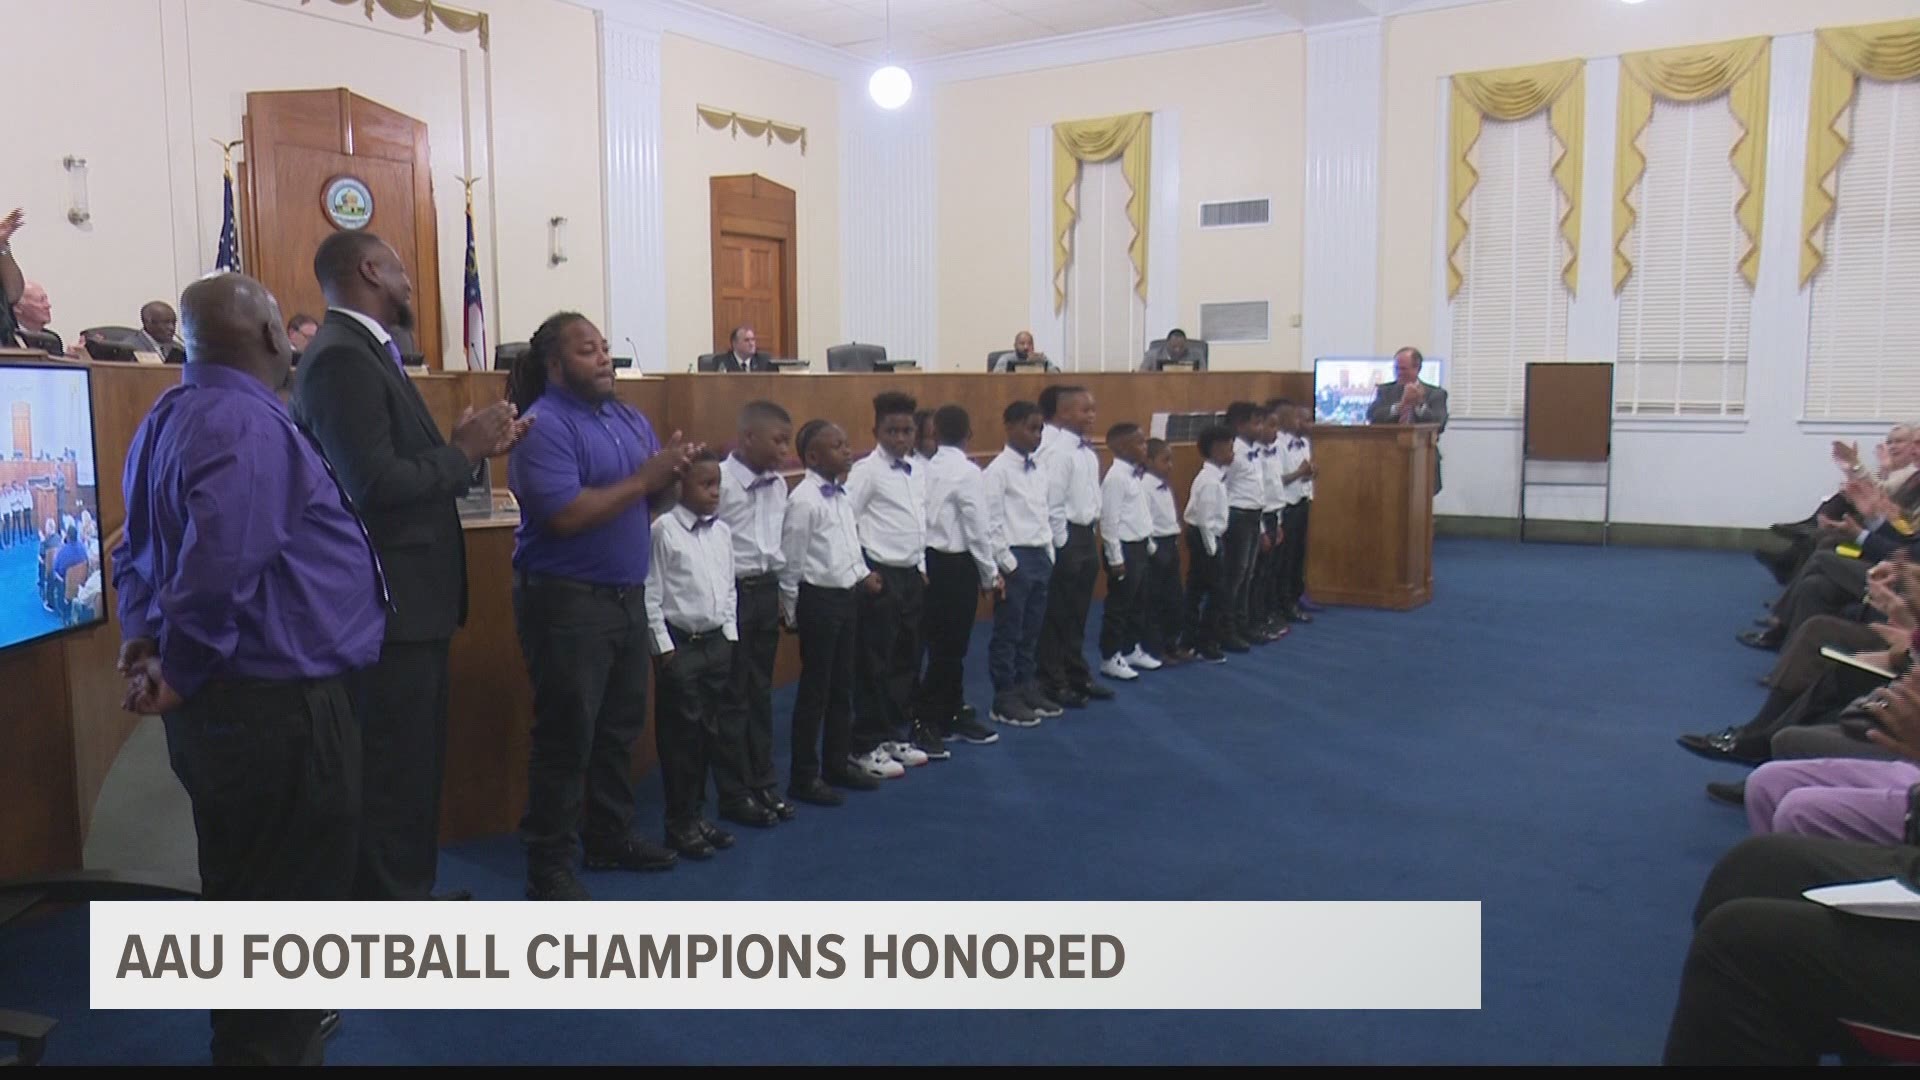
393, 353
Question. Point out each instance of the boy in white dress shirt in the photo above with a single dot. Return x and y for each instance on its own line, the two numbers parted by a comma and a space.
888, 491
1022, 541
1246, 497
822, 570
1206, 519
1163, 606
753, 503
1263, 605
1126, 536
1297, 454
960, 567
690, 622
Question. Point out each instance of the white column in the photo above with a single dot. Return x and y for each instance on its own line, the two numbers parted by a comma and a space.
636, 251
1593, 317
1342, 210
888, 230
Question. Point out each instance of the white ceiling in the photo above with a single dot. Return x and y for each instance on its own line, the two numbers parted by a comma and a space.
923, 29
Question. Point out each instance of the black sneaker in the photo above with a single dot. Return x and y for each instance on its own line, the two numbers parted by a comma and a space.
851, 778
973, 731
927, 740
1096, 691
1212, 655
1235, 644
631, 854
555, 883
1014, 711
1041, 704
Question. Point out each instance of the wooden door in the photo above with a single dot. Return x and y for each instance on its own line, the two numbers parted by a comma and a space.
300, 141
753, 222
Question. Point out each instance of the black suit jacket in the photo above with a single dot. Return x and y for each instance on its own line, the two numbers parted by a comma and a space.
726, 361
401, 474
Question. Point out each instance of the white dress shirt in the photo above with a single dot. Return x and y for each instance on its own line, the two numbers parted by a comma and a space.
1017, 506
753, 505
1073, 481
372, 324
1124, 513
1246, 484
889, 497
1207, 506
1299, 452
819, 542
1166, 516
957, 518
1273, 469
690, 578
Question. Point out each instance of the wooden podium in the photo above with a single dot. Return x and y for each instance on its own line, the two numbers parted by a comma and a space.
1370, 542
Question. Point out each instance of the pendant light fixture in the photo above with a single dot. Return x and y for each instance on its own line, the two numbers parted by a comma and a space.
891, 86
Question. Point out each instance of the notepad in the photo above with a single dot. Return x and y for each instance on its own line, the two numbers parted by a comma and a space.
1850, 660
1885, 899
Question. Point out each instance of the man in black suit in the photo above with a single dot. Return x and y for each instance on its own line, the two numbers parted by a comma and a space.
1407, 400
354, 396
743, 353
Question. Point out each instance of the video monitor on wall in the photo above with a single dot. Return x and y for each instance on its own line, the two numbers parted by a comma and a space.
1343, 386
50, 566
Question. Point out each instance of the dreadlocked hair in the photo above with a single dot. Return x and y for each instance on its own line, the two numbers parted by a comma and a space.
528, 379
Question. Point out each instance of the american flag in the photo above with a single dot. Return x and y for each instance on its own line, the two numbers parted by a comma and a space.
476, 337
228, 255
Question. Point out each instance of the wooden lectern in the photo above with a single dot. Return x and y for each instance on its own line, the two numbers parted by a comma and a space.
1373, 492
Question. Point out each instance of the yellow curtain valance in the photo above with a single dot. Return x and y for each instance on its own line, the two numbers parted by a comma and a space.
1887, 52
1128, 137
1738, 69
429, 12
1515, 94
754, 126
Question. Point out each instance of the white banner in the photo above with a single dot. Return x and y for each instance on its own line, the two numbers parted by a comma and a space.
773, 955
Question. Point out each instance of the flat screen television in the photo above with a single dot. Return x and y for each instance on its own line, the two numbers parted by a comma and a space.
1343, 386
50, 565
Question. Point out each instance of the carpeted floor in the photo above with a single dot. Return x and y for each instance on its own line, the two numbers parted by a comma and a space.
1511, 743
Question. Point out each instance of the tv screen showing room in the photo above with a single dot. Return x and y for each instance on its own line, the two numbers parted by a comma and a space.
50, 567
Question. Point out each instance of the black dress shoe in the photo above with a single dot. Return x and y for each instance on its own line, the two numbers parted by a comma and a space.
1235, 644
687, 839
1726, 745
1731, 794
748, 811
1094, 691
329, 1024
631, 854
720, 838
817, 792
554, 883
771, 799
1068, 699
453, 894
853, 779
1769, 639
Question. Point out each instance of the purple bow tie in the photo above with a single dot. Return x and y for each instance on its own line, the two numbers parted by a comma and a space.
1086, 444
1163, 486
903, 465
704, 523
831, 489
761, 481
1296, 444
393, 353
1027, 463
1139, 471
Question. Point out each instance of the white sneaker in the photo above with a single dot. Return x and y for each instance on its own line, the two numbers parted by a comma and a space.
905, 753
877, 764
1142, 660
1115, 667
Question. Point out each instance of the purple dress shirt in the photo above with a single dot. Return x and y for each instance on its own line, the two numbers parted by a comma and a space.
241, 557
577, 444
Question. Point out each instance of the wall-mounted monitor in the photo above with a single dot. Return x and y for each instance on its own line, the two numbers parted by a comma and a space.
50, 561
1343, 386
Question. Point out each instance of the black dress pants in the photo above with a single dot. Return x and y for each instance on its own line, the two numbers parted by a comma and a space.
952, 599
693, 694
743, 759
823, 702
887, 661
1121, 629
1063, 637
401, 703
1206, 606
1165, 607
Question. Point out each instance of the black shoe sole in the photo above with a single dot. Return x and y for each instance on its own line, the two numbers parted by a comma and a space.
649, 866
1711, 754
810, 800
697, 854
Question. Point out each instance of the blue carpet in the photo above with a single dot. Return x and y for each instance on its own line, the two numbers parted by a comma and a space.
22, 615
1511, 743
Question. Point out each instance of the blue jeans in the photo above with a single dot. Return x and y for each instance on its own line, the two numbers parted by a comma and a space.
1017, 620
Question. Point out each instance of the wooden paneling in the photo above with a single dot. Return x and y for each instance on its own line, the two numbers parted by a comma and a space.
299, 140
1372, 531
491, 701
40, 829
755, 262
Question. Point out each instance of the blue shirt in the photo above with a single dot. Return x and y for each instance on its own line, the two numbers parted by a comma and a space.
573, 445
241, 557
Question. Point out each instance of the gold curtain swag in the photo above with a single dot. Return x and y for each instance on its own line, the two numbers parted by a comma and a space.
754, 126
429, 12
1516, 94
1128, 137
1884, 52
1738, 69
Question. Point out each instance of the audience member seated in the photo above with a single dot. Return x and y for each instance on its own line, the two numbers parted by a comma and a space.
32, 313
157, 323
1831, 581
1020, 356
743, 354
1175, 351
1896, 476
86, 602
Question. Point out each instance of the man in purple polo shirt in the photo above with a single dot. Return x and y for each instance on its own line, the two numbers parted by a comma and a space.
587, 476
247, 589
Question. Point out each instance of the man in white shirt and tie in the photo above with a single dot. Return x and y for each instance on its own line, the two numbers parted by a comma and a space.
1246, 497
1206, 518
1298, 458
1126, 532
888, 494
689, 602
1073, 509
753, 503
960, 566
1022, 540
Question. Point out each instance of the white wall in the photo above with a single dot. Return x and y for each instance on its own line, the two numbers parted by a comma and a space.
165, 78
